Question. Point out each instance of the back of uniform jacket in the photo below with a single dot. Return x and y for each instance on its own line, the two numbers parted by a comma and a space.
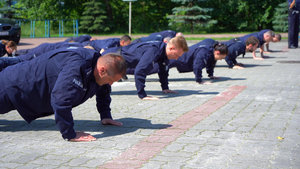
52, 83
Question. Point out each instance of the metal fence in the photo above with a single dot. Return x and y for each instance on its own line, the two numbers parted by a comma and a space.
48, 28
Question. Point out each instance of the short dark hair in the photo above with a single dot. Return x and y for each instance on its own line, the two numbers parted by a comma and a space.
125, 38
116, 63
179, 42
252, 40
270, 32
10, 44
278, 36
222, 48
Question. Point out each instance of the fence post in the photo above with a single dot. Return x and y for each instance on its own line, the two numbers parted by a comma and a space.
48, 28
73, 27
62, 28
76, 27
32, 28
58, 28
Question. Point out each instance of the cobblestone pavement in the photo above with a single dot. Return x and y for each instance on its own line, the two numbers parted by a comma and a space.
247, 118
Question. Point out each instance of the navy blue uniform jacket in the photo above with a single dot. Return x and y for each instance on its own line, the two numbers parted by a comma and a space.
149, 38
199, 56
79, 39
164, 34
157, 36
55, 83
235, 48
3, 50
141, 58
46, 47
205, 42
104, 44
258, 35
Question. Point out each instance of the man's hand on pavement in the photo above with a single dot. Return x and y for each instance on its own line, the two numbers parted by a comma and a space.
169, 91
82, 136
108, 121
150, 98
237, 67
205, 82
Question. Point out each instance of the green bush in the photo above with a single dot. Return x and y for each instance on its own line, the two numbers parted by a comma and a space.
280, 19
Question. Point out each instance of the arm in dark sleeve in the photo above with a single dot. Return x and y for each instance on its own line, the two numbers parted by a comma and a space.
232, 55
82, 38
113, 43
130, 71
144, 66
210, 68
8, 61
163, 74
198, 65
64, 94
103, 101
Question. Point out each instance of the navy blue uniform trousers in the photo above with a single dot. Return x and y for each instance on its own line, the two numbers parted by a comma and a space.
293, 35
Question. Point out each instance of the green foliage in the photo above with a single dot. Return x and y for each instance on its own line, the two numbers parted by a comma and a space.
93, 18
197, 16
241, 15
190, 13
280, 19
150, 16
49, 9
6, 9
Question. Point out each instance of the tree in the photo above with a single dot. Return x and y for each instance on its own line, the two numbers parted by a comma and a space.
147, 16
241, 15
93, 17
190, 13
49, 9
280, 19
6, 9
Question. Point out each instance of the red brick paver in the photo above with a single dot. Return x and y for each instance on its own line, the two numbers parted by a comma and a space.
140, 153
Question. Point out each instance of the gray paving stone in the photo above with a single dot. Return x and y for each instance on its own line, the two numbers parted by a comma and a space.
241, 134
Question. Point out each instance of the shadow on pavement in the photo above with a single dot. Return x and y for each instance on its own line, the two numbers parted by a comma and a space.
245, 65
129, 125
222, 79
24, 44
190, 79
265, 57
277, 51
181, 79
160, 93
273, 57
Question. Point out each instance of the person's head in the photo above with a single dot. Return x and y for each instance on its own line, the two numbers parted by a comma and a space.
268, 36
166, 39
176, 47
251, 44
125, 40
10, 46
179, 34
110, 68
220, 51
276, 38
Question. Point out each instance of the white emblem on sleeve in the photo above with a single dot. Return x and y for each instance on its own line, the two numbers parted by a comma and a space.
78, 83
